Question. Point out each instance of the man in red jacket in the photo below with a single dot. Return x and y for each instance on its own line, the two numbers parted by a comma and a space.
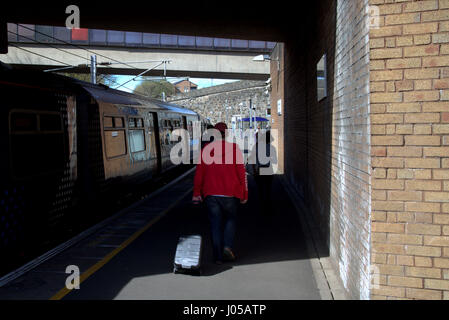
220, 180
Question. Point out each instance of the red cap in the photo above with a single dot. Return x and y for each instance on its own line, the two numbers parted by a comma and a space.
221, 126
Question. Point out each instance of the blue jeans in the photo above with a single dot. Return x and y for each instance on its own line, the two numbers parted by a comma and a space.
222, 213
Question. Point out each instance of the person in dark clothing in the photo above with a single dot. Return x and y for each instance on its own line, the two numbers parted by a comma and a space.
221, 183
261, 161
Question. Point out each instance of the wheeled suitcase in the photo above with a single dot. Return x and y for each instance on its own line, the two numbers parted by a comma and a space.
188, 255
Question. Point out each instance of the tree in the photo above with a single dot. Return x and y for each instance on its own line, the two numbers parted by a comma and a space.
154, 89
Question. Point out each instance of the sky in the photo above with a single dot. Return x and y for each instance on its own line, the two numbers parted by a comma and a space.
201, 82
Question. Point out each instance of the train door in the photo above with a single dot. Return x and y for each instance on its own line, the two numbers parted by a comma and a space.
184, 122
155, 139
185, 127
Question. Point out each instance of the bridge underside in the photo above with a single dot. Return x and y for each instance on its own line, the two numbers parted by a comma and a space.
235, 19
183, 63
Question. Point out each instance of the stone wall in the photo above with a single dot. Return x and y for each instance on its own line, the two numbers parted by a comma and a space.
211, 102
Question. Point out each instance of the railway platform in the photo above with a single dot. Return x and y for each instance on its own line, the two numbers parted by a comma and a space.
131, 257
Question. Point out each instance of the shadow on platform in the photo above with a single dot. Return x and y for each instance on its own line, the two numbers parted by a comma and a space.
262, 245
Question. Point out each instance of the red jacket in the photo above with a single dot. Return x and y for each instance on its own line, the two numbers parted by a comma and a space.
215, 178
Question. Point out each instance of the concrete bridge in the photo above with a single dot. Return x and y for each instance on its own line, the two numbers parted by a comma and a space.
132, 53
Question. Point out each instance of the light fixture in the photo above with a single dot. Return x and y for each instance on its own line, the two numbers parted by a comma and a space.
262, 57
266, 57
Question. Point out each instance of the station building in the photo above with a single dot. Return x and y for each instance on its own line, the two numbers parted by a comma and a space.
185, 86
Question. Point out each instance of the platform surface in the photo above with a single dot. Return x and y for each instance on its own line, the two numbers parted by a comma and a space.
272, 261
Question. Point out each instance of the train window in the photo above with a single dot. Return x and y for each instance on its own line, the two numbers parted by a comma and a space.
113, 122
35, 122
50, 122
190, 128
30, 136
166, 137
165, 132
23, 122
136, 134
108, 122
139, 122
136, 140
135, 123
119, 123
131, 123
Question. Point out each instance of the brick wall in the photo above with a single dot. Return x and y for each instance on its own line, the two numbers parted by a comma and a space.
409, 83
350, 184
327, 155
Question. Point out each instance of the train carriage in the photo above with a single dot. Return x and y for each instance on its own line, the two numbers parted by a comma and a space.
69, 146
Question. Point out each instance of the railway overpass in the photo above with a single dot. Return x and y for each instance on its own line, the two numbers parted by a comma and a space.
132, 53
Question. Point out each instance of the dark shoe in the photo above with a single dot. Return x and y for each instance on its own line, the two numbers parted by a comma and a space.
228, 255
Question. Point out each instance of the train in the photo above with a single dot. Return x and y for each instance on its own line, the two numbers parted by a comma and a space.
69, 148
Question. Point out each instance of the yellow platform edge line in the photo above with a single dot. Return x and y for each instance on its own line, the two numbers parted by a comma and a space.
64, 291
